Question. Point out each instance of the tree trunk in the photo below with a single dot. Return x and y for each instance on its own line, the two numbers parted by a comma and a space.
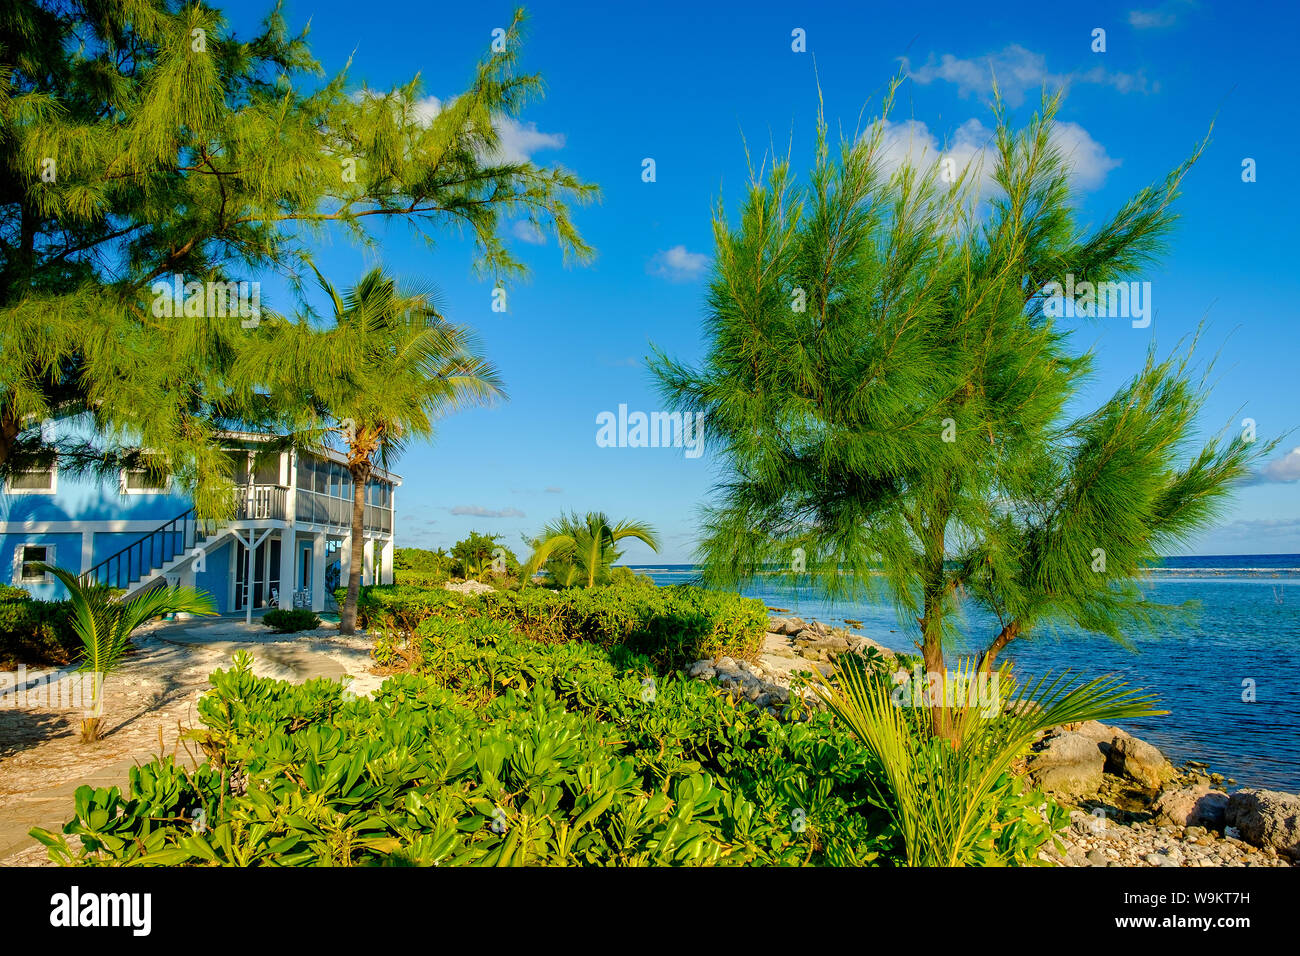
932, 629
1005, 637
9, 431
348, 617
932, 655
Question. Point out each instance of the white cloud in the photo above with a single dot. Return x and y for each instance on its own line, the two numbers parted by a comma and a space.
972, 145
1018, 71
1147, 19
1165, 15
1286, 468
527, 232
477, 512
678, 265
518, 140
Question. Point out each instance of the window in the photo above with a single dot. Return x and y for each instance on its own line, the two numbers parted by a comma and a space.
29, 555
140, 481
267, 471
42, 481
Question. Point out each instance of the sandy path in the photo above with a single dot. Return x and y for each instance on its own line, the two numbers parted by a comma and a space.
148, 704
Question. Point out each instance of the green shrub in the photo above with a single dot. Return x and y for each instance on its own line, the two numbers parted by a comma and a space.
672, 626
496, 750
38, 633
430, 578
286, 622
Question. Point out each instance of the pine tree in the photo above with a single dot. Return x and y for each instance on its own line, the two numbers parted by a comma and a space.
144, 139
894, 399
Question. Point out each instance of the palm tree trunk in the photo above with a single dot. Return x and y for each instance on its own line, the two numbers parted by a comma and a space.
348, 617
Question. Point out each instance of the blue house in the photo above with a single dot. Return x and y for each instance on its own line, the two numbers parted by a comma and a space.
287, 545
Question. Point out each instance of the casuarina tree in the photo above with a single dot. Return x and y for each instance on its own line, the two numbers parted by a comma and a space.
897, 399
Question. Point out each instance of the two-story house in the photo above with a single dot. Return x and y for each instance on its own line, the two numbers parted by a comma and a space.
287, 545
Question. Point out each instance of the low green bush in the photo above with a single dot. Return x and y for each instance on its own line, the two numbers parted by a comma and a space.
490, 748
495, 750
288, 621
38, 633
672, 626
424, 578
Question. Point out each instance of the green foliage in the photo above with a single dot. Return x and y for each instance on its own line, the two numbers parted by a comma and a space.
35, 632
420, 579
180, 147
891, 390
288, 621
496, 751
954, 799
624, 576
421, 559
672, 626
477, 555
104, 625
579, 551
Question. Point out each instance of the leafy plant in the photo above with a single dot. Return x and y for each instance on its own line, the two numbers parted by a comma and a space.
954, 799
577, 550
494, 751
287, 621
672, 626
476, 556
104, 626
34, 632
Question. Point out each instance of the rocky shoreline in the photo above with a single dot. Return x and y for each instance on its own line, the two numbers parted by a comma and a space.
1130, 805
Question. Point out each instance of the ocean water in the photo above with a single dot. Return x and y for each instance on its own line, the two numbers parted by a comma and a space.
1245, 634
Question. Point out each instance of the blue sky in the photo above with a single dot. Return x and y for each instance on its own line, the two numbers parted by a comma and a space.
687, 84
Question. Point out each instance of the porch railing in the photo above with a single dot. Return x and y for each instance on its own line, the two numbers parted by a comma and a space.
315, 508
154, 550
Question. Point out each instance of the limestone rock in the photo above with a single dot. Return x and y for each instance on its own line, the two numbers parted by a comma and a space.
1068, 764
1139, 761
1267, 818
469, 587
1191, 807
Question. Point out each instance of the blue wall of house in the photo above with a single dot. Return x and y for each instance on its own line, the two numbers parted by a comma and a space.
215, 576
67, 553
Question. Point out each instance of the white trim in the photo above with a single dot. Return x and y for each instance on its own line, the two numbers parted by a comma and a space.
52, 490
19, 560
124, 489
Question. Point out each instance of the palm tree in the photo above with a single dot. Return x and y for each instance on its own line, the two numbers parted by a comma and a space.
375, 379
584, 547
948, 796
104, 626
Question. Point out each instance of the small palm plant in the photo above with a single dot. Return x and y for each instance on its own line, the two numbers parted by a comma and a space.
954, 798
104, 626
577, 549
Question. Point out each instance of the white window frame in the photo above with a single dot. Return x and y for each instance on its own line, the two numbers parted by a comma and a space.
18, 578
52, 490
125, 489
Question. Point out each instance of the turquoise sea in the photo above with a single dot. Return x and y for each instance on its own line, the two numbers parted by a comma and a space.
1246, 629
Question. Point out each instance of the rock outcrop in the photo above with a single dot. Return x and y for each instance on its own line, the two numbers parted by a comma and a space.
1266, 818
1068, 764
1196, 806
